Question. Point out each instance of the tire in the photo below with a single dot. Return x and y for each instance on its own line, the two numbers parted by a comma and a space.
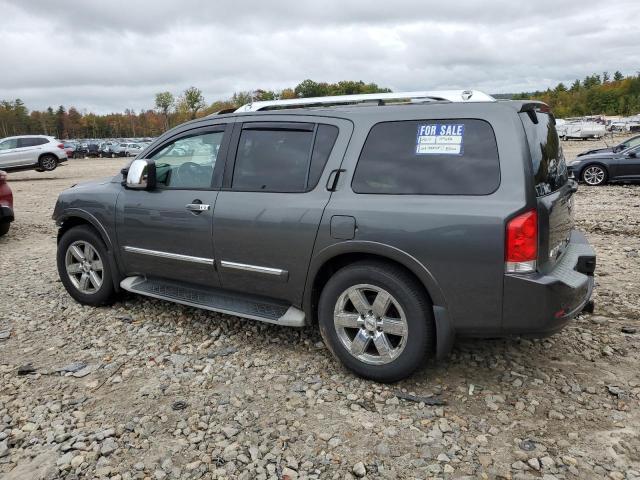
96, 293
48, 162
408, 332
4, 228
594, 175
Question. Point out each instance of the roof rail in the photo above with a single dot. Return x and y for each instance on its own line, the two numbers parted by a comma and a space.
461, 96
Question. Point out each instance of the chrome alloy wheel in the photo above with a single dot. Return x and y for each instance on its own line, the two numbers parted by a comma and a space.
84, 267
371, 324
593, 175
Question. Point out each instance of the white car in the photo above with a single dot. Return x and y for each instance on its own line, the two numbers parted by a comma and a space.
27, 152
127, 149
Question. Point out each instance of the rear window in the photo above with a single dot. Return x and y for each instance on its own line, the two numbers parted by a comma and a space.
547, 159
429, 157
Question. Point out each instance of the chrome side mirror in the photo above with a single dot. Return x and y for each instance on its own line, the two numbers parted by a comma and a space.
141, 175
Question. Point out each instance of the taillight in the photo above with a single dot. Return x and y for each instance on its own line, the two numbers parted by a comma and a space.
521, 252
61, 145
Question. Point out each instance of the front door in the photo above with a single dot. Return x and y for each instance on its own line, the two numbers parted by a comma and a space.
167, 232
267, 216
628, 163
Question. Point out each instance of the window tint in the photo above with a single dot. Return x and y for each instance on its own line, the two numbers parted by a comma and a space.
429, 157
272, 160
547, 159
188, 162
31, 142
632, 142
326, 136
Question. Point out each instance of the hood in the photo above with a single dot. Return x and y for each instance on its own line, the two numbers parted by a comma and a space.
599, 155
94, 183
597, 150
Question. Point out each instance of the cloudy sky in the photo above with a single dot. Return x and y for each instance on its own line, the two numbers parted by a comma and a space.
109, 55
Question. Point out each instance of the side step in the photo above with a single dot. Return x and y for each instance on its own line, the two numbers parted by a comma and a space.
217, 300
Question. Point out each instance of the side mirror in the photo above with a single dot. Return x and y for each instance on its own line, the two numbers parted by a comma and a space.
141, 175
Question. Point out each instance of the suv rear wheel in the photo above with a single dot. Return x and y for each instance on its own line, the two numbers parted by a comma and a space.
376, 319
84, 267
48, 162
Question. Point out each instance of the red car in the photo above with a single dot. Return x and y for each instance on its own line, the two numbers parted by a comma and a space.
6, 204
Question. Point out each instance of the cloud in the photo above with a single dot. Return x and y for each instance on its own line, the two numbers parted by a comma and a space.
108, 56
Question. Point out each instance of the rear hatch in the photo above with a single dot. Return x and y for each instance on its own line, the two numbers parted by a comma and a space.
553, 189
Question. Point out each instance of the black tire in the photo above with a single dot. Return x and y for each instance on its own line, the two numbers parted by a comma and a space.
104, 295
48, 163
407, 292
594, 175
4, 228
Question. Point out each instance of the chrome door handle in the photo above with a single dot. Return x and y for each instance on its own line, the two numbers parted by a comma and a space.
197, 207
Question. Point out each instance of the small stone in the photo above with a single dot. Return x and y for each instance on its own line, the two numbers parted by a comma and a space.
230, 432
289, 474
77, 461
108, 447
334, 442
359, 470
534, 463
555, 415
159, 475
4, 449
547, 462
443, 458
65, 459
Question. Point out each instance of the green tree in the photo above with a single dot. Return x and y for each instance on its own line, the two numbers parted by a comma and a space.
617, 76
193, 100
164, 103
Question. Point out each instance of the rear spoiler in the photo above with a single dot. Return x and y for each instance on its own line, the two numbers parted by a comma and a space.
533, 108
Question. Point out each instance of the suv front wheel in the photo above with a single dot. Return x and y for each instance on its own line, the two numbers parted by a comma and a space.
376, 319
84, 267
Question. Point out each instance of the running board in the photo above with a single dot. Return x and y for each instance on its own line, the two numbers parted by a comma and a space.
217, 300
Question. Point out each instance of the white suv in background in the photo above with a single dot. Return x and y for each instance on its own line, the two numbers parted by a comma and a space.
27, 152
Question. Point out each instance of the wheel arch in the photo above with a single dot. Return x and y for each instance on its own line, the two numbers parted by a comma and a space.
76, 217
339, 255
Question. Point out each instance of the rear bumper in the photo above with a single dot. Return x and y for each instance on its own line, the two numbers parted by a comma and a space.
6, 214
542, 304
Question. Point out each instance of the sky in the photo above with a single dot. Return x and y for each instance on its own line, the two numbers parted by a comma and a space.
109, 55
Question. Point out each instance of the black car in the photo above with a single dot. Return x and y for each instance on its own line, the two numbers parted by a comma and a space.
628, 143
602, 167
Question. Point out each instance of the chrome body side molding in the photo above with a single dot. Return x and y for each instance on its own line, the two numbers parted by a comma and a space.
169, 255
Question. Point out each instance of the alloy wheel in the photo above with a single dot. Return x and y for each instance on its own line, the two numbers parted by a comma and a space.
370, 324
84, 267
594, 175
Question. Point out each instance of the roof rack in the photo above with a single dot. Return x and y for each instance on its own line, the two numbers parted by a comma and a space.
461, 96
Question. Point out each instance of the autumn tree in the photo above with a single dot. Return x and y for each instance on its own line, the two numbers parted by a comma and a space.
164, 103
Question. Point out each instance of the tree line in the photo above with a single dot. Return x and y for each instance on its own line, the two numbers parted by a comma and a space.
597, 94
170, 110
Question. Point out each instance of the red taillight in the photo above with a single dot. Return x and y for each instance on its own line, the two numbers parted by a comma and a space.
61, 145
521, 251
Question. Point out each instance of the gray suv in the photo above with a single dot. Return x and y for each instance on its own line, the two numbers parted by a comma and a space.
395, 226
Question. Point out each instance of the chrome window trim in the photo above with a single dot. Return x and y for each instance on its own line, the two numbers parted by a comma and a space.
171, 256
253, 268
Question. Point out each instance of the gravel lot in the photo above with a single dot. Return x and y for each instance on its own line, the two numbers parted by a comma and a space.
173, 392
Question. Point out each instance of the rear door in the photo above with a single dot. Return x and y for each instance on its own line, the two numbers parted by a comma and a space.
29, 149
553, 190
267, 215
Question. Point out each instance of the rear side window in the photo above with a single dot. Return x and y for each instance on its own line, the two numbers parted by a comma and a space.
285, 160
31, 142
547, 159
429, 157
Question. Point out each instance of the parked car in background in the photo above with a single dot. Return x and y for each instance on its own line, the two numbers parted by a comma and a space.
628, 143
396, 226
70, 148
31, 152
6, 204
127, 149
603, 167
81, 150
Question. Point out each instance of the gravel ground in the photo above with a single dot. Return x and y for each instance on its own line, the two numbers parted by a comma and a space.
148, 389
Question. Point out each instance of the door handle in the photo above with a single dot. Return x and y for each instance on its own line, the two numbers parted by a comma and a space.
197, 207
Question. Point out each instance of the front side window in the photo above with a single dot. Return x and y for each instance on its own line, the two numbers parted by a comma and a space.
632, 142
188, 163
9, 144
429, 157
